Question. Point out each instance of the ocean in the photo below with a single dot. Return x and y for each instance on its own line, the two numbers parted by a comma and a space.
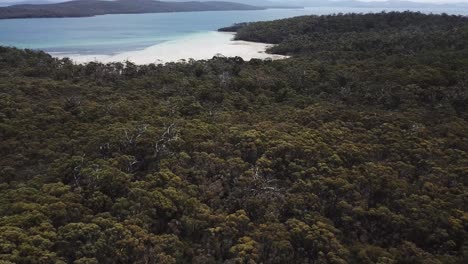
115, 34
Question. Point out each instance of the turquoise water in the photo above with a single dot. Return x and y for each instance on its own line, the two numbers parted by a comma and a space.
111, 34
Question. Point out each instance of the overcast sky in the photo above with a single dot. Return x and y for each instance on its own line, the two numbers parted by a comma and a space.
426, 1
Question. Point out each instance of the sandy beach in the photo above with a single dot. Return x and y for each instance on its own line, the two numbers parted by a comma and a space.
197, 46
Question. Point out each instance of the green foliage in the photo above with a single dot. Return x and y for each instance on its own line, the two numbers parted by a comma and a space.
352, 151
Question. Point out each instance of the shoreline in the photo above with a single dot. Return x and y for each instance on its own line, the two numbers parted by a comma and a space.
198, 46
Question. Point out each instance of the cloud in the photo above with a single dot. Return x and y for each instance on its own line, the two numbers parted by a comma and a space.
419, 1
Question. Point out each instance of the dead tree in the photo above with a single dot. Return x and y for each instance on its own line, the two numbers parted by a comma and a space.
161, 145
130, 138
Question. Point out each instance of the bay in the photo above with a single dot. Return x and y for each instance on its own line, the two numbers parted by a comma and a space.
115, 34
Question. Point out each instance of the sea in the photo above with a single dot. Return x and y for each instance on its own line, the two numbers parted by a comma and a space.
114, 34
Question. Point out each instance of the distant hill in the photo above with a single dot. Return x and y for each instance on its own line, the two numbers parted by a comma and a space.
84, 8
351, 3
247, 2
261, 3
29, 2
368, 4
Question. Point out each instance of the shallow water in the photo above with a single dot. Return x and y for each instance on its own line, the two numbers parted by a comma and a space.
115, 34
198, 46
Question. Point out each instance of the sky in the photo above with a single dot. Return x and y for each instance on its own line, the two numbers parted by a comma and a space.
426, 1
422, 1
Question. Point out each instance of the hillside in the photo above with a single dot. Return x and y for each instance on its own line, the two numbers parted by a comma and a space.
83, 8
353, 35
352, 151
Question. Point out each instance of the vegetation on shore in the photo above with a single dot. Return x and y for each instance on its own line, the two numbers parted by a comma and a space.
355, 150
87, 8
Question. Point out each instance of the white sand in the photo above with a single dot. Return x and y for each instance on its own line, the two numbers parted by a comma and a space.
198, 46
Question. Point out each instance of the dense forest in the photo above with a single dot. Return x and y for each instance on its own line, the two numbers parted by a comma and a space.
354, 150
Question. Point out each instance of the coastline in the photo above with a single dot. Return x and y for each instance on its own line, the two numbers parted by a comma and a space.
198, 46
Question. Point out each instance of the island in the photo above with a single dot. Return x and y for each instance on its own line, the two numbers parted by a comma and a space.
86, 8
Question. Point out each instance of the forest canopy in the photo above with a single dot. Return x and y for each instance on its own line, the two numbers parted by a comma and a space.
354, 150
